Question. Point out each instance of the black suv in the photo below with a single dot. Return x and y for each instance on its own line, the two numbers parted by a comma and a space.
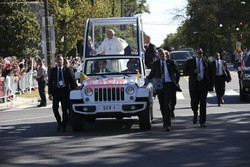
245, 81
181, 58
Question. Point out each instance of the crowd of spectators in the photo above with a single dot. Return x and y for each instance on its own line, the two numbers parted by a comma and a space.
19, 67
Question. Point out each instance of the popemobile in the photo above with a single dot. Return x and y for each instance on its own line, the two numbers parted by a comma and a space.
113, 75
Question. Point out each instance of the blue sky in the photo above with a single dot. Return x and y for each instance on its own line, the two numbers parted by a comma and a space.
160, 22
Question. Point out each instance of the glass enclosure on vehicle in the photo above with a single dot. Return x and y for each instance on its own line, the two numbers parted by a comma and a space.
112, 37
112, 66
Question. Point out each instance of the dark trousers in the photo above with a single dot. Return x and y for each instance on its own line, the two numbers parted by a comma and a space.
165, 97
173, 101
219, 87
199, 96
41, 89
61, 95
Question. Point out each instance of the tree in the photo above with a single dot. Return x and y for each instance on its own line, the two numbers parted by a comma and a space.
201, 26
70, 16
20, 33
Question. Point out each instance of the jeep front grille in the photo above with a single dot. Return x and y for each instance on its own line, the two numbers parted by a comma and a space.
109, 94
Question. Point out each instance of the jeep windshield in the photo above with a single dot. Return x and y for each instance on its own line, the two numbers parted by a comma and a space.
112, 66
109, 37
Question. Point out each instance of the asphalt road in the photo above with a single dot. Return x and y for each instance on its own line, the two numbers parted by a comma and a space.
28, 137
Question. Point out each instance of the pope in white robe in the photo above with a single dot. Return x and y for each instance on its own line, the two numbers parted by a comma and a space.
112, 45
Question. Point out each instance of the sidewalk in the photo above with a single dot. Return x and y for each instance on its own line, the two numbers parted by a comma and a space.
18, 101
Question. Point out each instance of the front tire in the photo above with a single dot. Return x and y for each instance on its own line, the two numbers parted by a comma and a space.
77, 121
145, 118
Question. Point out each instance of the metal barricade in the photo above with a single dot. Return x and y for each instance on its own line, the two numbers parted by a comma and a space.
11, 85
2, 90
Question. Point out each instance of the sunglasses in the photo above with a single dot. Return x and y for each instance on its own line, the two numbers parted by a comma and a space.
200, 53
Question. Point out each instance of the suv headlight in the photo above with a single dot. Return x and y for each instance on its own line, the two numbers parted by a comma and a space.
88, 91
130, 90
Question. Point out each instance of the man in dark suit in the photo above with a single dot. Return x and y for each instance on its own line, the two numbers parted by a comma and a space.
61, 82
41, 74
239, 64
150, 52
200, 75
219, 68
101, 67
166, 74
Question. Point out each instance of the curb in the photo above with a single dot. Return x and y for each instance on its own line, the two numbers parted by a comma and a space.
18, 101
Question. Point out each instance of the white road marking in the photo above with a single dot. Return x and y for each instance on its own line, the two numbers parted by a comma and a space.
231, 92
23, 119
179, 95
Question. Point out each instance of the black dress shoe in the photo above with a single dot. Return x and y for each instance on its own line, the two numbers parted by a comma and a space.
203, 125
195, 119
167, 129
41, 105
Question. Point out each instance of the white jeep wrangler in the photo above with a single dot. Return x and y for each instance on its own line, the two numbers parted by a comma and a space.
113, 85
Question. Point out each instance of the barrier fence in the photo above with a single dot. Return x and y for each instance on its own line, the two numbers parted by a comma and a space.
12, 85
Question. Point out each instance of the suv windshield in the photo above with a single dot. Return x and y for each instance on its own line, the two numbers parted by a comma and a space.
180, 55
112, 66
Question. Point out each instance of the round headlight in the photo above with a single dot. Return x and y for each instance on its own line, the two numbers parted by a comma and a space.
130, 90
88, 92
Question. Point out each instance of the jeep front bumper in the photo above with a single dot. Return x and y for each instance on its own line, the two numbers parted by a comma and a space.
115, 107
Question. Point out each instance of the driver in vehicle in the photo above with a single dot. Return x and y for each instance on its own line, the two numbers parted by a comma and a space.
130, 67
111, 45
101, 67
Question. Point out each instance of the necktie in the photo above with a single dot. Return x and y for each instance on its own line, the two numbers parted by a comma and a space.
218, 68
60, 74
162, 70
199, 70
198, 66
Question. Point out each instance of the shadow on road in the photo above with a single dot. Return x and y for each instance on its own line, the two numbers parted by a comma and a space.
225, 142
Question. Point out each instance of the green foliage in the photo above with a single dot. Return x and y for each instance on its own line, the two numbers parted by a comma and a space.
20, 33
201, 28
70, 16
20, 29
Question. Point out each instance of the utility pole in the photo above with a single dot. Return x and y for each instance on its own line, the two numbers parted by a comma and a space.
47, 32
121, 8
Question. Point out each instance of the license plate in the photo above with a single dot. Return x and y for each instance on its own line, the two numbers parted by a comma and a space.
108, 108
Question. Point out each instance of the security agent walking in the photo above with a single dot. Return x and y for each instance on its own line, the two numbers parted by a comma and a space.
219, 72
200, 75
164, 72
61, 82
41, 74
150, 52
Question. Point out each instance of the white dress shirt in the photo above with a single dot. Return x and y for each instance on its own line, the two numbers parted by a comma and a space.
219, 67
166, 73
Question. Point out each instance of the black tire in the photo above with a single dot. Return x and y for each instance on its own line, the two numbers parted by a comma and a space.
119, 117
91, 119
77, 122
145, 118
